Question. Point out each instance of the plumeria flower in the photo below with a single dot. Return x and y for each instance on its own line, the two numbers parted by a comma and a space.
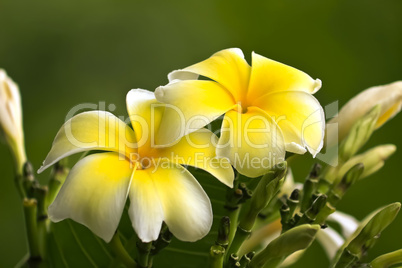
11, 119
159, 188
268, 107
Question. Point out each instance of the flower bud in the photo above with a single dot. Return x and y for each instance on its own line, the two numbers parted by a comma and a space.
359, 134
387, 260
11, 119
389, 97
372, 160
365, 236
295, 239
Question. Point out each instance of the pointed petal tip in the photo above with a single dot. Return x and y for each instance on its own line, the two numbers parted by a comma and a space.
159, 92
296, 148
314, 152
317, 85
146, 94
238, 51
230, 185
40, 170
147, 237
172, 75
43, 167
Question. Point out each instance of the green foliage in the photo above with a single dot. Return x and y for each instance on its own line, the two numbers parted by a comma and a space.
73, 245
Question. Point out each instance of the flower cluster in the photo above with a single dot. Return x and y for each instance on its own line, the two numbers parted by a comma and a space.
268, 107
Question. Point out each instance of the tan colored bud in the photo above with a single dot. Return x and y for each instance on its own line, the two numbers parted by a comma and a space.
372, 160
11, 119
389, 97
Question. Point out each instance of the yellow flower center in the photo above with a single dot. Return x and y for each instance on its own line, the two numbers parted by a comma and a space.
241, 109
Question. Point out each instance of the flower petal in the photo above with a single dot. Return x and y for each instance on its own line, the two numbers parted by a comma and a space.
146, 211
186, 207
252, 141
330, 240
347, 222
227, 67
94, 193
268, 76
300, 117
145, 114
197, 149
192, 105
95, 130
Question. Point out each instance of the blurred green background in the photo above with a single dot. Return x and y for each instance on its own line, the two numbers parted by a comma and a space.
63, 53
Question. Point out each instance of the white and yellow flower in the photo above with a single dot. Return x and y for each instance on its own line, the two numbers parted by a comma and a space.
11, 119
268, 107
159, 188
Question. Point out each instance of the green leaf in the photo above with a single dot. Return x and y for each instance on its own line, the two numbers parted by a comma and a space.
73, 245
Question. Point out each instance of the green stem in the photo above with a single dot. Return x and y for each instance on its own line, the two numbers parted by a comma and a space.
18, 185
223, 232
234, 217
40, 194
150, 260
120, 252
241, 236
57, 178
143, 253
217, 254
30, 212
233, 261
232, 207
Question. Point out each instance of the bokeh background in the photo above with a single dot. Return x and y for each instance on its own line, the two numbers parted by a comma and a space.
63, 53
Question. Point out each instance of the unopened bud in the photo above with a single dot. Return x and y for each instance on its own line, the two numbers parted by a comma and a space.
389, 97
11, 120
372, 160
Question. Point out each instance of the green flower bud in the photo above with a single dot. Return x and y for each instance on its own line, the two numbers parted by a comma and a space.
359, 134
295, 239
267, 188
372, 160
387, 260
365, 236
